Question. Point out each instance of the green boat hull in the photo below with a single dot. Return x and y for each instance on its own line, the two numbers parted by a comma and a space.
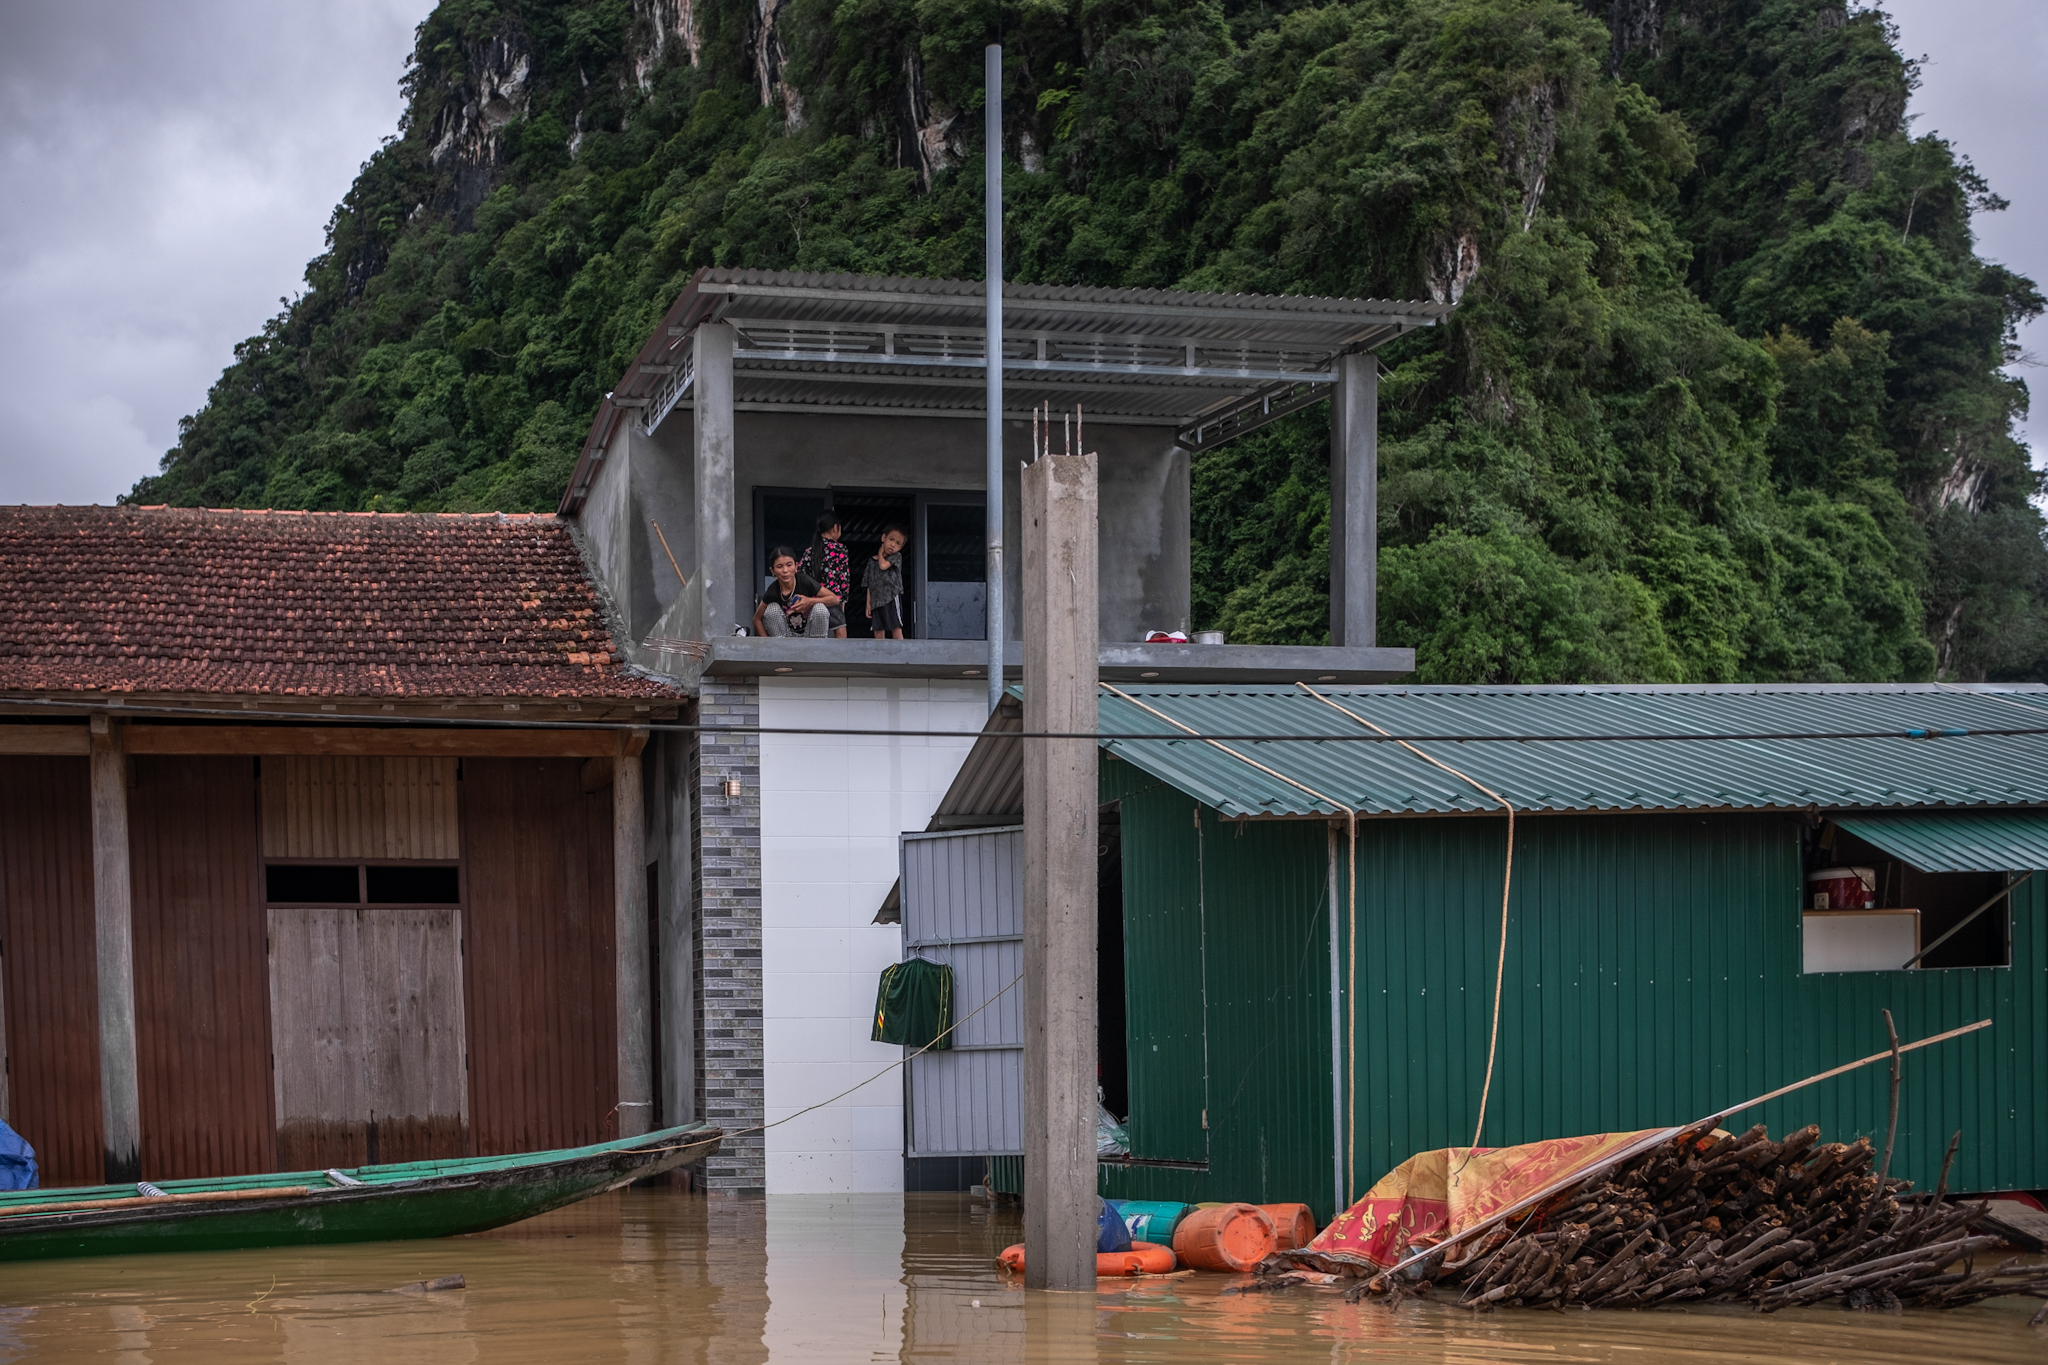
411, 1200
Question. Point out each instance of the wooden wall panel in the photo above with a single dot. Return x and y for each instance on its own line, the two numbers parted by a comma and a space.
369, 1036
537, 860
360, 808
202, 1020
47, 961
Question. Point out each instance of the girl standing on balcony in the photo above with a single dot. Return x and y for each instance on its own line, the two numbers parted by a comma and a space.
826, 562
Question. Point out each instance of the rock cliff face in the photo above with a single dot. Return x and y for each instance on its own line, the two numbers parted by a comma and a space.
770, 58
488, 92
658, 27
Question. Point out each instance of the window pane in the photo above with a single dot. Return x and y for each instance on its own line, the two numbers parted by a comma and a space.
286, 884
415, 885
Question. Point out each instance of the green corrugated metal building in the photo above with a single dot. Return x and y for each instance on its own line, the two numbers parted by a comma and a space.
1655, 968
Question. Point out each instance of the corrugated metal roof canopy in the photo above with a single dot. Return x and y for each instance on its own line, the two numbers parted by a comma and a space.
1210, 365
1569, 749
1974, 841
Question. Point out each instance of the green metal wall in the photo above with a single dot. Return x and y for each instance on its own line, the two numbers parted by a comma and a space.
1653, 974
1227, 951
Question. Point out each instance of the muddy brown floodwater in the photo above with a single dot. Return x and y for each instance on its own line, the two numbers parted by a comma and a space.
657, 1276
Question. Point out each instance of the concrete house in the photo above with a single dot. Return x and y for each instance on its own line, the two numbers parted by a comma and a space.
765, 397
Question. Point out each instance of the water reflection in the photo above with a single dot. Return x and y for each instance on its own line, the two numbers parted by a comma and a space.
655, 1277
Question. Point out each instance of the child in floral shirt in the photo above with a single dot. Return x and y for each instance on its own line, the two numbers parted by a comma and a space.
826, 562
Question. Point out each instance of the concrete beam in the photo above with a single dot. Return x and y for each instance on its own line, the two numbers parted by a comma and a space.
717, 550
769, 656
1355, 502
633, 974
120, 1099
1059, 519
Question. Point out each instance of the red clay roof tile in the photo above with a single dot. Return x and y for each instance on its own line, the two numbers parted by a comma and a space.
156, 599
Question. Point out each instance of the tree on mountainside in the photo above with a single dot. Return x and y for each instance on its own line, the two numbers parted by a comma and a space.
1722, 398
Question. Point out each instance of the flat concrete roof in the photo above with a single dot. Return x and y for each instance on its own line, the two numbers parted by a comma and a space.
1209, 366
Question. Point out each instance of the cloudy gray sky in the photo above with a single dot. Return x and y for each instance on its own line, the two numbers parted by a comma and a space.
166, 171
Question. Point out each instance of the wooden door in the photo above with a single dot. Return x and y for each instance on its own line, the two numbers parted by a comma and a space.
366, 1004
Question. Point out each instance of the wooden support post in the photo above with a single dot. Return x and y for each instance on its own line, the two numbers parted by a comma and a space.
629, 896
711, 414
1355, 501
1059, 873
120, 1101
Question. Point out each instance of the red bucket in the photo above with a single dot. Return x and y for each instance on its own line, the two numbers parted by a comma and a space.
1842, 888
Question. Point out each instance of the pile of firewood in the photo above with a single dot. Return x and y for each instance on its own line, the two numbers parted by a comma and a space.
1731, 1218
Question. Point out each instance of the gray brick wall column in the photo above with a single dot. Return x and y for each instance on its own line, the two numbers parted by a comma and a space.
727, 833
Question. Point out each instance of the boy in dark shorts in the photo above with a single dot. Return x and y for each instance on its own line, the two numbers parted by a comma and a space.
882, 579
793, 604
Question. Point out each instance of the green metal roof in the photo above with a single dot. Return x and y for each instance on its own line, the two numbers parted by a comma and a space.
1596, 749
1961, 841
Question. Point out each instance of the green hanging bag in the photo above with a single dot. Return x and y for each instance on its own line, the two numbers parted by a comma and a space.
915, 1004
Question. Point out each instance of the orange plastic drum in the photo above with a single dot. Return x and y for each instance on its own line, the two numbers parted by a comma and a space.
1235, 1237
1144, 1258
1293, 1224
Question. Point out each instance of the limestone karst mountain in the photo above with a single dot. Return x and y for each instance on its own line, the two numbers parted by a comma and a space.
1722, 400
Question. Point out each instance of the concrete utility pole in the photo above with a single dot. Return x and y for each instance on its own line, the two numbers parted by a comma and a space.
1059, 873
629, 900
992, 273
1355, 501
120, 1099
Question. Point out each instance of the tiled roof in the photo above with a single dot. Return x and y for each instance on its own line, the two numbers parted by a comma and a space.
301, 604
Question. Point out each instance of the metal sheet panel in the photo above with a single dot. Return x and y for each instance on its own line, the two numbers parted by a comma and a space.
1977, 841
1571, 749
202, 1026
48, 957
967, 1103
326, 807
1226, 954
963, 906
1653, 974
537, 863
964, 885
1165, 967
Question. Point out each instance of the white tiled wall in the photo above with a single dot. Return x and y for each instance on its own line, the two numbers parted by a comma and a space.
832, 807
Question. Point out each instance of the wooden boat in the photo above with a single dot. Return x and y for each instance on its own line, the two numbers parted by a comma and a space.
365, 1204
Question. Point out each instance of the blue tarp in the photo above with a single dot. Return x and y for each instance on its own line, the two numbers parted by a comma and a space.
17, 1161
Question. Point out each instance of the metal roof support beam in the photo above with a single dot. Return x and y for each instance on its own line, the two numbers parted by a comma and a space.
717, 553
1222, 374
1355, 502
1251, 412
673, 387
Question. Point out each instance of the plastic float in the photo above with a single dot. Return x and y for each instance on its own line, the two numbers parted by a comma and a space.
1229, 1237
1293, 1225
1144, 1258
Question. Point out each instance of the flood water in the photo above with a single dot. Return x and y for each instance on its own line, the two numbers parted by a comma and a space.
658, 1276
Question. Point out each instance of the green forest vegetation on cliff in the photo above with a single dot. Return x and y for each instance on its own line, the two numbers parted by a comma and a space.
1722, 399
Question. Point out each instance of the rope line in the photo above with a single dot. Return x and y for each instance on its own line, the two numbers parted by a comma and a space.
1350, 1135
901, 1061
1506, 884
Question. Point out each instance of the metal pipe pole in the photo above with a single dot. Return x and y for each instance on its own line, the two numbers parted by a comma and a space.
993, 274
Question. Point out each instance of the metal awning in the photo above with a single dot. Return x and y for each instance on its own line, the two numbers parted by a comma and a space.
1211, 366
1986, 841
